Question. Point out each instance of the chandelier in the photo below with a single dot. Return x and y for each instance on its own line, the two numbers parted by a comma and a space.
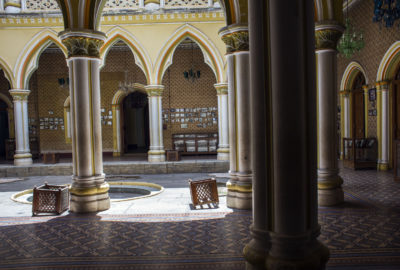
192, 74
351, 40
386, 10
126, 85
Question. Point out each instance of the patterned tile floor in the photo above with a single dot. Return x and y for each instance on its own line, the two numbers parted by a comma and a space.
363, 233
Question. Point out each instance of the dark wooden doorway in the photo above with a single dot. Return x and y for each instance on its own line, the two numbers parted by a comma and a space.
358, 107
395, 104
135, 123
4, 132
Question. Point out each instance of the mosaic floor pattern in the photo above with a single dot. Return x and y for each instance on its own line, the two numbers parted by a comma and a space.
363, 233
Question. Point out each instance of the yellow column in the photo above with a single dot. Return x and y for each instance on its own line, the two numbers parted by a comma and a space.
383, 125
366, 105
116, 130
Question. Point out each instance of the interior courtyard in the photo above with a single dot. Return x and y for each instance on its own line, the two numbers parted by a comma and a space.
126, 105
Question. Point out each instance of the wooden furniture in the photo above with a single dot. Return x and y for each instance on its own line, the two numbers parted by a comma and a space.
173, 155
360, 153
204, 191
50, 199
195, 143
50, 158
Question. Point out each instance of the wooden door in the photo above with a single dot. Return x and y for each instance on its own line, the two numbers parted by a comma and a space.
358, 107
358, 114
395, 100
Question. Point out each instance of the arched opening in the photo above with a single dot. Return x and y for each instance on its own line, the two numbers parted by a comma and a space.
395, 112
135, 123
358, 107
4, 128
190, 105
49, 85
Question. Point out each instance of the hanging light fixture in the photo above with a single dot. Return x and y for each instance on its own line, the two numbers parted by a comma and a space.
192, 74
351, 40
386, 11
126, 85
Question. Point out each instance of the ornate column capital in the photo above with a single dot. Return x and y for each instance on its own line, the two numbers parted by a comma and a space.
327, 35
365, 88
19, 94
236, 38
154, 90
345, 93
222, 88
12, 3
382, 86
82, 43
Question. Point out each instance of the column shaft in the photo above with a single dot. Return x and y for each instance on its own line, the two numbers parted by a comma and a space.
156, 153
284, 152
240, 184
116, 130
22, 151
223, 136
89, 191
329, 182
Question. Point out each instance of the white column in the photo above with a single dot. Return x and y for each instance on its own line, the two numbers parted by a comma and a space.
12, 6
240, 184
156, 153
346, 112
1, 5
384, 160
223, 132
89, 191
329, 182
116, 130
162, 3
22, 152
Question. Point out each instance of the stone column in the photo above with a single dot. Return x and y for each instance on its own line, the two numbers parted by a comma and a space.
223, 135
344, 118
22, 152
283, 115
240, 184
382, 89
116, 130
89, 191
156, 153
366, 102
329, 182
12, 6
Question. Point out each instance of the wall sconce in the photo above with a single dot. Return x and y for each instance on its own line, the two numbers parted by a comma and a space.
63, 82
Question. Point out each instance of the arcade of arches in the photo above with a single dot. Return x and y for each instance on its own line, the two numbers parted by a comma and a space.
126, 79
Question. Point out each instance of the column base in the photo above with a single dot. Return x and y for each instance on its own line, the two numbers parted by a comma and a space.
90, 199
383, 166
22, 159
156, 156
239, 196
223, 154
316, 260
330, 197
